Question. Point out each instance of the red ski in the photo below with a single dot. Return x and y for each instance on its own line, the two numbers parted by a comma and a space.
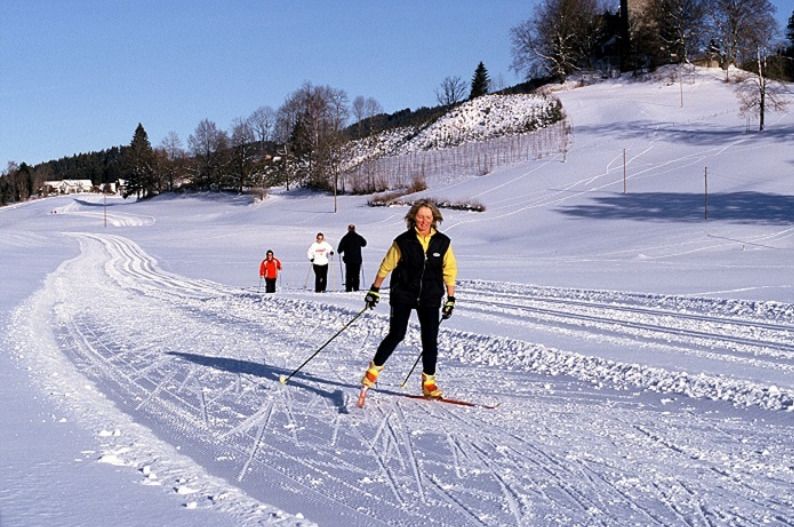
362, 399
448, 400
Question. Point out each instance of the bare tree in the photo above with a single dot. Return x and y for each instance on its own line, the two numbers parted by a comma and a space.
557, 40
243, 152
451, 91
757, 93
364, 108
741, 27
174, 163
208, 143
676, 28
262, 122
310, 124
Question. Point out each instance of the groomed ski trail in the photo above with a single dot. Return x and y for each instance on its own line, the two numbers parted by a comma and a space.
576, 441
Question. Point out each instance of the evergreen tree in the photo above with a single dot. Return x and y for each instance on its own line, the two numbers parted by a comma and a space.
139, 166
790, 34
480, 82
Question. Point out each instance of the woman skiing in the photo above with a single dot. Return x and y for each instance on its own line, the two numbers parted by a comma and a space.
318, 255
423, 267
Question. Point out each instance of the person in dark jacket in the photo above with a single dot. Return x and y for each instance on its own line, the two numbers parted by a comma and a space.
350, 248
423, 268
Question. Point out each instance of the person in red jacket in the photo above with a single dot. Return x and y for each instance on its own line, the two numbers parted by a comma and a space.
268, 270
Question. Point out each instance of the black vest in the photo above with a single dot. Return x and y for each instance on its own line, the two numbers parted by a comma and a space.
418, 278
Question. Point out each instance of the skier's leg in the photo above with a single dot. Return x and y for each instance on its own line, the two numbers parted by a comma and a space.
398, 325
353, 272
428, 322
318, 281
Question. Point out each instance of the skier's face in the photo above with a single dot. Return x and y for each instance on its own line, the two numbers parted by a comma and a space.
424, 220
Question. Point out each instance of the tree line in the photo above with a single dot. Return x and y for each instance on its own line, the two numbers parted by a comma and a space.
566, 36
297, 144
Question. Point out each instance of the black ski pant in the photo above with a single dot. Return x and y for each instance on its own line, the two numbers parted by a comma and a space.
320, 277
398, 325
270, 285
352, 273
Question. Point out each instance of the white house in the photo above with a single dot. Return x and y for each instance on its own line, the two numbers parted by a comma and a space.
68, 186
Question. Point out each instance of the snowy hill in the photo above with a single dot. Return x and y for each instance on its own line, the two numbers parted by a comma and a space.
473, 130
634, 331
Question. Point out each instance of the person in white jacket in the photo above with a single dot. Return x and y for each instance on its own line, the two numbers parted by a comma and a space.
318, 254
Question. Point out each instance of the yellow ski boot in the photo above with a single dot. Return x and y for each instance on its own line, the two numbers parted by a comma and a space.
367, 382
429, 387
371, 375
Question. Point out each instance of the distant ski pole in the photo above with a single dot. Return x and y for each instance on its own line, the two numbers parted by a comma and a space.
283, 379
306, 280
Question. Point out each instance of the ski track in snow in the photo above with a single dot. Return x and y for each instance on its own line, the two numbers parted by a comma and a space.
199, 365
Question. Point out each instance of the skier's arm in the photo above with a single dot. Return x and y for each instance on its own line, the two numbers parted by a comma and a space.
387, 265
450, 269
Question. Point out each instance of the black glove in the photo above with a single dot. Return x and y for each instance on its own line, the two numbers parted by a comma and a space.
311, 260
373, 297
449, 305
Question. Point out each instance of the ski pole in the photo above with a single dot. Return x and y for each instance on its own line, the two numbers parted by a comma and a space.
306, 280
341, 275
284, 378
415, 363
412, 370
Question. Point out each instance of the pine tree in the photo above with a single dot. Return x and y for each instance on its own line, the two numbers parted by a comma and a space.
790, 34
139, 165
480, 82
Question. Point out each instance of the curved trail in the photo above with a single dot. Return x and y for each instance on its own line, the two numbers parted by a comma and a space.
199, 364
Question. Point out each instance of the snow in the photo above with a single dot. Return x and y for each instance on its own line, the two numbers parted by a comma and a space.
640, 355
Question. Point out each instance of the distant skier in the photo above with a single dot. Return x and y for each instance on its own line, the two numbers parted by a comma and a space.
318, 254
423, 266
350, 247
268, 271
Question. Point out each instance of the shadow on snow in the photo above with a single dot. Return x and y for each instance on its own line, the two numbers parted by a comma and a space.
734, 207
272, 373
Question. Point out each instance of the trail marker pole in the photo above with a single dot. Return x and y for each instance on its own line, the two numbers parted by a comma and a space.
706, 193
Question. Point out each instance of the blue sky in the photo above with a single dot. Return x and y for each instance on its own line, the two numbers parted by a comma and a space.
79, 75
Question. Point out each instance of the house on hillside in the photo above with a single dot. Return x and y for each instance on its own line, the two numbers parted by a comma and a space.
67, 186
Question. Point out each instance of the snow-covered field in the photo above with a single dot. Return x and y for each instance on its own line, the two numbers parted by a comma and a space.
641, 356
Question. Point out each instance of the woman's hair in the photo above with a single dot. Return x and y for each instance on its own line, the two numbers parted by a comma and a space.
410, 218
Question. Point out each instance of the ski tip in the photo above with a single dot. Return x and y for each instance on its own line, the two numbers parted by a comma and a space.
362, 398
283, 379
